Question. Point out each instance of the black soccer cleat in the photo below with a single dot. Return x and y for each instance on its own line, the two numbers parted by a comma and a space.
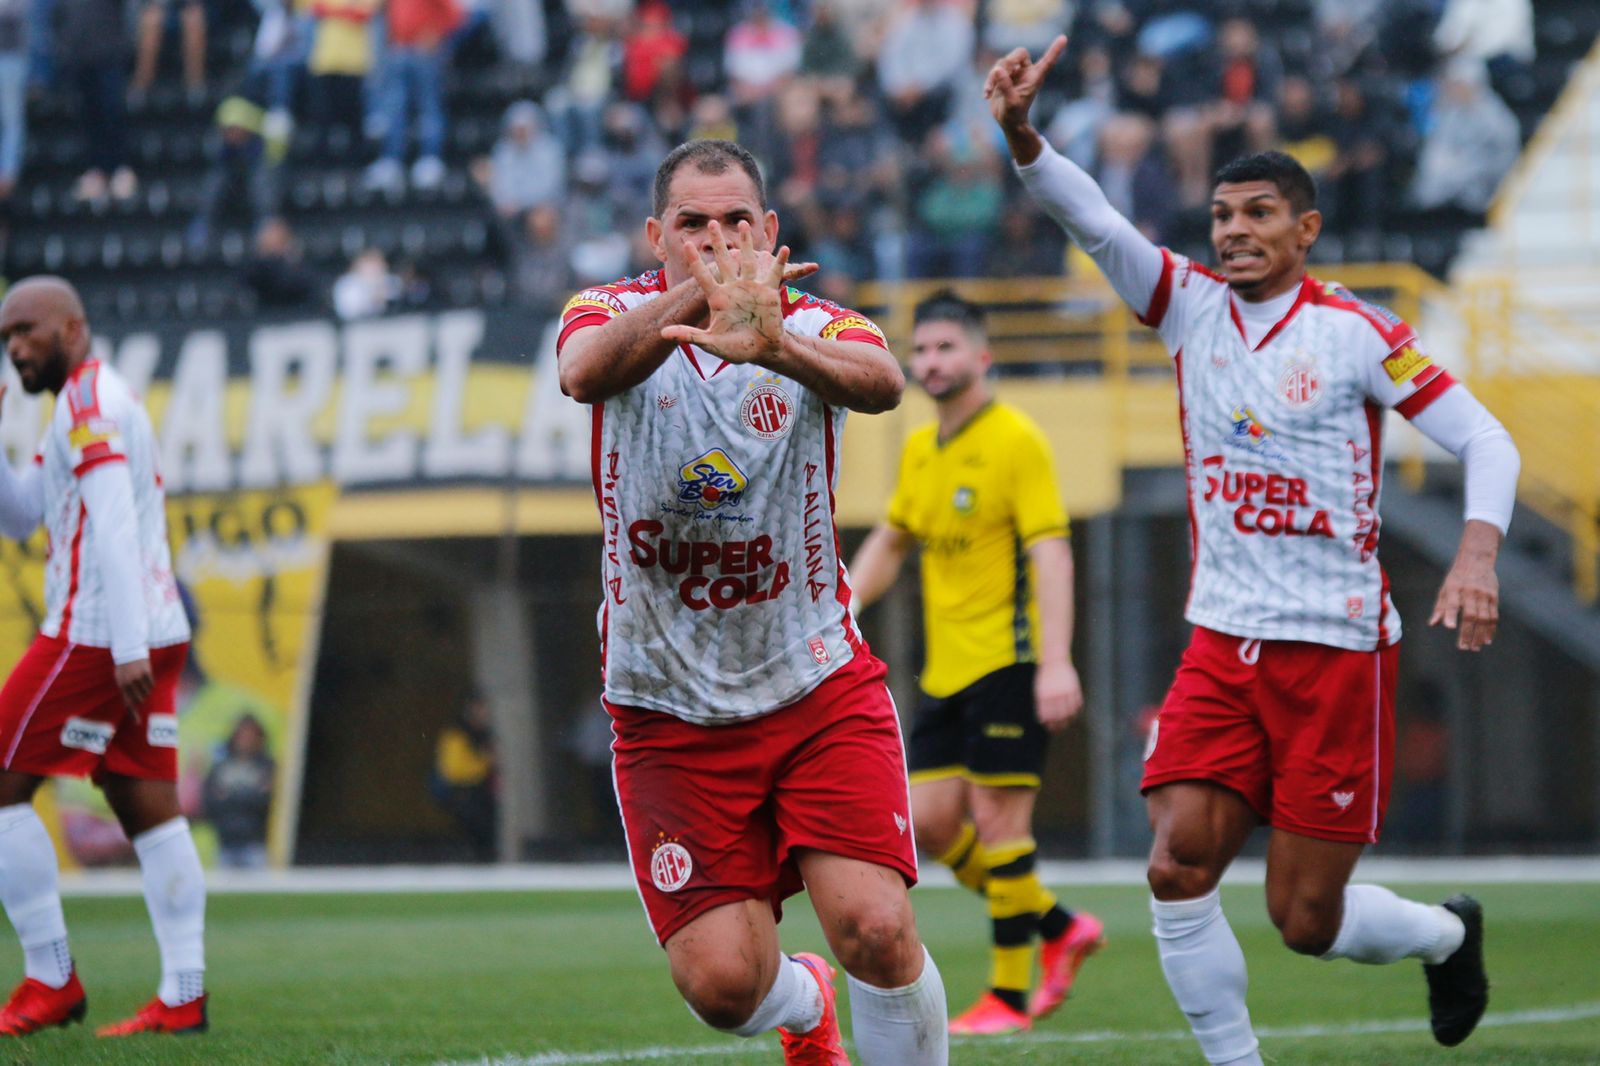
1458, 987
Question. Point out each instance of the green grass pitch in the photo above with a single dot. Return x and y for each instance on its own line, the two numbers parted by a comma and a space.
559, 978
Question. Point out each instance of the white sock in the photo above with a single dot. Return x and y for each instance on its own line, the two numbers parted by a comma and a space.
1380, 927
902, 1026
1205, 970
175, 893
794, 1002
30, 891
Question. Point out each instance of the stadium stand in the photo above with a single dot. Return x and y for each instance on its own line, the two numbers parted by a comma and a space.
882, 198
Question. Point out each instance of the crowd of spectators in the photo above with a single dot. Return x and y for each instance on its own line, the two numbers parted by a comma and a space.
867, 116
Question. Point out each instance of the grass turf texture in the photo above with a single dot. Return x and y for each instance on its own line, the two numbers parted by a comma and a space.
562, 977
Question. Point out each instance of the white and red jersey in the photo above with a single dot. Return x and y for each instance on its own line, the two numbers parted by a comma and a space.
725, 594
98, 420
1283, 447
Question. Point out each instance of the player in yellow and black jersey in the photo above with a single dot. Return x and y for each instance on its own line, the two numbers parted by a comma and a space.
977, 494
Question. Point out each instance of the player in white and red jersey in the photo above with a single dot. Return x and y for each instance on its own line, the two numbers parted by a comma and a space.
757, 749
94, 693
1282, 709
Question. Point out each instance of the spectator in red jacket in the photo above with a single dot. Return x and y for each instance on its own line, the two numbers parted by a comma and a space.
651, 51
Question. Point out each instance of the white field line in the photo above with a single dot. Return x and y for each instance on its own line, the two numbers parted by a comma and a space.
1542, 1016
590, 877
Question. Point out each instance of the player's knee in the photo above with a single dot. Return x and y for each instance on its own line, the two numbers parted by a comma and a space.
724, 996
933, 836
1174, 877
1308, 929
878, 944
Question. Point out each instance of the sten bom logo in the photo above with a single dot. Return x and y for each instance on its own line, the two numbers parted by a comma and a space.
719, 574
711, 480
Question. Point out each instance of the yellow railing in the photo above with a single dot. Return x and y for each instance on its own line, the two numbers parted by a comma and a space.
1549, 402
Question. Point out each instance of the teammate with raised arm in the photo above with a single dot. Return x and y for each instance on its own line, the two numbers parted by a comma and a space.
757, 749
977, 492
1282, 708
94, 694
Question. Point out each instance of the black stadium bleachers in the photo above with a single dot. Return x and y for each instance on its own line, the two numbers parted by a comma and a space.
133, 265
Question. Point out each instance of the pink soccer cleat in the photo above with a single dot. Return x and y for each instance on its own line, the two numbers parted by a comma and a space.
34, 1005
157, 1017
822, 1045
990, 1016
1060, 958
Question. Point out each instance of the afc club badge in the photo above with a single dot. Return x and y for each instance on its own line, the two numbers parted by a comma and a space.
670, 865
819, 651
767, 412
1300, 386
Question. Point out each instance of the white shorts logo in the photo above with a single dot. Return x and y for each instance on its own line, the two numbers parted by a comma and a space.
1344, 799
87, 735
1150, 741
162, 731
670, 866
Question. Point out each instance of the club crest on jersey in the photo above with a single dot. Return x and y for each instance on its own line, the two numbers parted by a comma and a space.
965, 501
1354, 607
819, 651
1300, 386
670, 864
712, 480
767, 411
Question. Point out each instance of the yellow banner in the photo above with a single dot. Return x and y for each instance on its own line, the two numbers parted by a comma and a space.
253, 567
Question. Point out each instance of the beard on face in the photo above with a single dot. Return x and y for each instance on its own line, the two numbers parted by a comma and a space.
49, 374
950, 385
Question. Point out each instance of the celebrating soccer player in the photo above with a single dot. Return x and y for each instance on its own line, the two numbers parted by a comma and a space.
94, 693
977, 491
1282, 708
757, 749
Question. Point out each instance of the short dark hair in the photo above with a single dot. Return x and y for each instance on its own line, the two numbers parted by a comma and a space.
709, 156
946, 306
1293, 181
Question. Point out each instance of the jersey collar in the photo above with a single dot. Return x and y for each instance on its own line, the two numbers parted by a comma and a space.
1303, 297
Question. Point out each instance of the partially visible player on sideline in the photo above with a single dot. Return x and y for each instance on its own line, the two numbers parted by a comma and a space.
977, 492
757, 749
1282, 708
94, 693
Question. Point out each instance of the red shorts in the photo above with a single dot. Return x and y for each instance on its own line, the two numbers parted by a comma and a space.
713, 814
1304, 732
62, 715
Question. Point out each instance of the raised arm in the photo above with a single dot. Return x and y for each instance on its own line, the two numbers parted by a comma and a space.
1130, 261
602, 361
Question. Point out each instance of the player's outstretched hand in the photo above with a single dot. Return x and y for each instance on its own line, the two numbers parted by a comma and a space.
137, 681
744, 299
1014, 81
1469, 599
1057, 694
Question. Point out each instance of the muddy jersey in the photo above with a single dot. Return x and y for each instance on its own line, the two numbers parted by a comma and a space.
97, 419
725, 594
1283, 451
